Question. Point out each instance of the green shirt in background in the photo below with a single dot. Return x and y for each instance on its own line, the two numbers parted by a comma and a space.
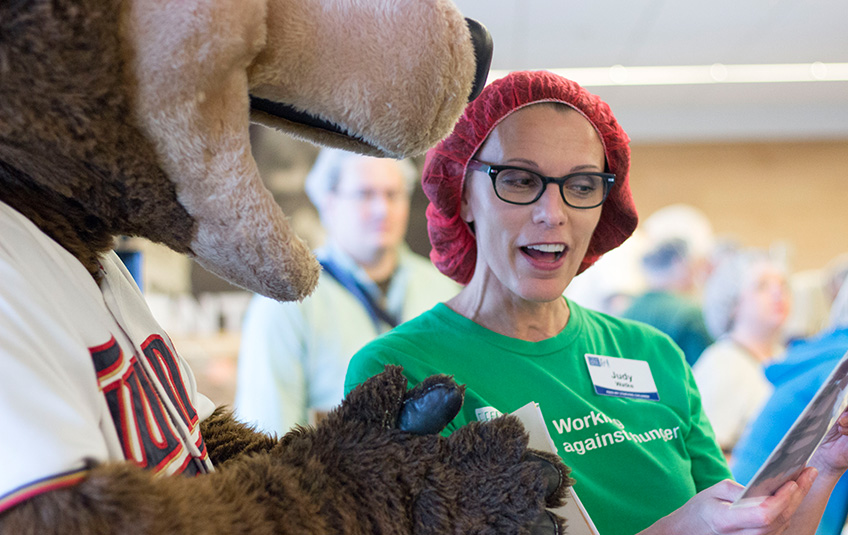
633, 460
675, 315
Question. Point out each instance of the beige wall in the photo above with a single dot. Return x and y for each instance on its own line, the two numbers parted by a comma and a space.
759, 193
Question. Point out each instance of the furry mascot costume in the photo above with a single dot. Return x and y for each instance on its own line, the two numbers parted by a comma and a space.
130, 117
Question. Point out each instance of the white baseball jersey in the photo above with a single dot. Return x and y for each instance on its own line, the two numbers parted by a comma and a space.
86, 373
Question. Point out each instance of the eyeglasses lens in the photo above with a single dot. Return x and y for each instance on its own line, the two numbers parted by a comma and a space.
524, 187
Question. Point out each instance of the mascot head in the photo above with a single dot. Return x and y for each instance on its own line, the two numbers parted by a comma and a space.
130, 117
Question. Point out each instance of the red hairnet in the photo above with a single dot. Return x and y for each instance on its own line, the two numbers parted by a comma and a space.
454, 247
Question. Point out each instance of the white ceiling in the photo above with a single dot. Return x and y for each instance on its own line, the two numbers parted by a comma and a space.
533, 34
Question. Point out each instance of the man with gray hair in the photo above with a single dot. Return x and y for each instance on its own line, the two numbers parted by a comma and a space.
294, 356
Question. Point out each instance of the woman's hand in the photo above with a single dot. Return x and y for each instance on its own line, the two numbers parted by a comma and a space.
710, 512
831, 457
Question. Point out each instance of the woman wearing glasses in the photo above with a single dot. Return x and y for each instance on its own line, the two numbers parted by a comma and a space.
529, 190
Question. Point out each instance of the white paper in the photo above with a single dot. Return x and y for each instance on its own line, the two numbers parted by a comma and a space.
798, 445
578, 520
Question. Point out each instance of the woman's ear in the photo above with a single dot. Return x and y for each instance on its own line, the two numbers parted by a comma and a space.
465, 211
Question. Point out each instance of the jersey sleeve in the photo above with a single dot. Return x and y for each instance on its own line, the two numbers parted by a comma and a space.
50, 404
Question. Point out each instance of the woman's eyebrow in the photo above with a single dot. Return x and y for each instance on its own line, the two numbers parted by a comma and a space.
519, 160
534, 166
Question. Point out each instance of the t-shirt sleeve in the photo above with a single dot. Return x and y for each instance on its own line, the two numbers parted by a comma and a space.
367, 362
709, 465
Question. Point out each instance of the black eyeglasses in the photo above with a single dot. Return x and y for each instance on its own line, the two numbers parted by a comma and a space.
584, 189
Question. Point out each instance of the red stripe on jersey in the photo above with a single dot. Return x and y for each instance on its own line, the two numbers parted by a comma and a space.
41, 486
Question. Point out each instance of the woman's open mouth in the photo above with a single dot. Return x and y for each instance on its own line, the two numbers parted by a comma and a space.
544, 252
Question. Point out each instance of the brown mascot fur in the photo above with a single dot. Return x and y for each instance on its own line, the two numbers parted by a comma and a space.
130, 117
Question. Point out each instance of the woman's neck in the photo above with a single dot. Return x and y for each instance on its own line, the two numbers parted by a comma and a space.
760, 346
516, 318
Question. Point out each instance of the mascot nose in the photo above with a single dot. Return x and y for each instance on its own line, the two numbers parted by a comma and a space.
483, 46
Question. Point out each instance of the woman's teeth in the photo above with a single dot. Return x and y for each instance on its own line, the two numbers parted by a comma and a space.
550, 251
548, 247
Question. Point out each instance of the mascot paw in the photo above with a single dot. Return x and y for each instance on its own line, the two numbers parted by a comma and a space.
380, 463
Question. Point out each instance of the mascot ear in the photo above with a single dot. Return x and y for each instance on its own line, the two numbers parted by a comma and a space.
483, 48
383, 77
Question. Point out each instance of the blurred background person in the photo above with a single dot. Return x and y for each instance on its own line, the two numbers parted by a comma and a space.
746, 303
293, 356
813, 294
675, 260
618, 278
796, 379
668, 304
685, 222
614, 281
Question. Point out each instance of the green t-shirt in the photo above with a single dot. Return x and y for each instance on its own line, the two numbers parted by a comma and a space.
634, 460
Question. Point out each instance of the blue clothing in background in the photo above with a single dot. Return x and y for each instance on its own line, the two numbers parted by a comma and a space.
796, 379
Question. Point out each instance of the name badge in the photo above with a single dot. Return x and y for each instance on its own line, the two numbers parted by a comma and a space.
623, 378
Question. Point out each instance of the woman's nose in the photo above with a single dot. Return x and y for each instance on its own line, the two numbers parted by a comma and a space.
550, 208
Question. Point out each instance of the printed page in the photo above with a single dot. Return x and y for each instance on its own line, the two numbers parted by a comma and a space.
795, 449
575, 515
